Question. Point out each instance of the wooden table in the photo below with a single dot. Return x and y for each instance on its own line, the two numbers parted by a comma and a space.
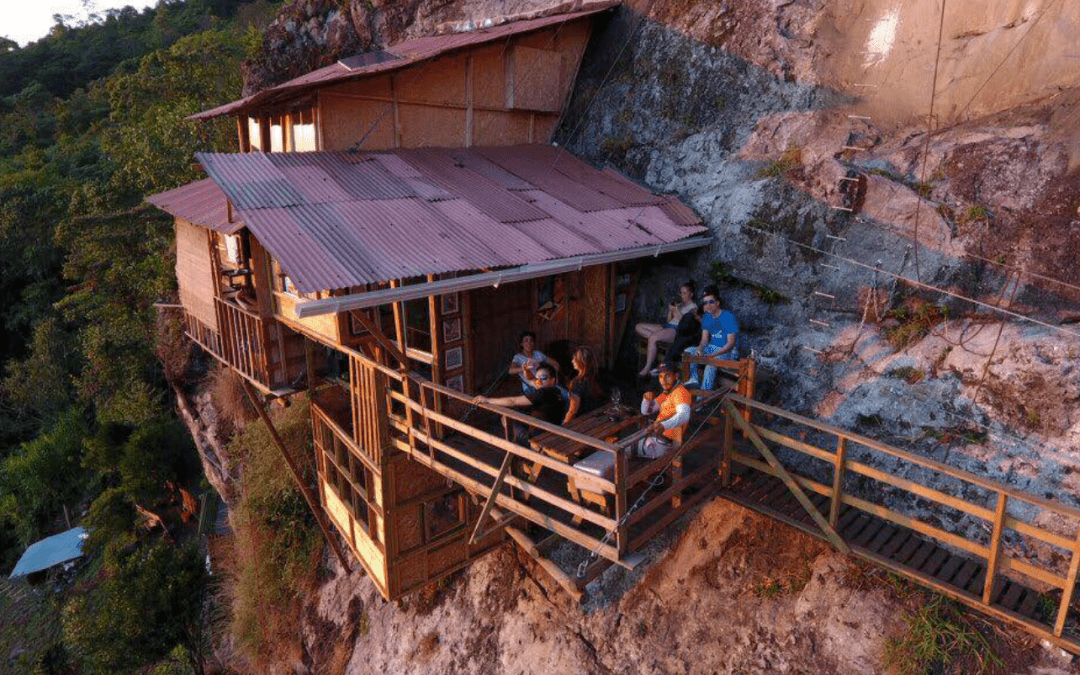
600, 423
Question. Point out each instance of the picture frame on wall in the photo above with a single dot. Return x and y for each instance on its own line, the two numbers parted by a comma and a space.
450, 303
453, 358
620, 302
451, 329
457, 382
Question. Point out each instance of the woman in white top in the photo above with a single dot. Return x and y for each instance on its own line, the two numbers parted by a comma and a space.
655, 332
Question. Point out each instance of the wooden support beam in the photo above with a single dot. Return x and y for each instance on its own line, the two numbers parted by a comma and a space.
838, 479
554, 571
748, 430
995, 548
490, 500
316, 509
1067, 591
385, 342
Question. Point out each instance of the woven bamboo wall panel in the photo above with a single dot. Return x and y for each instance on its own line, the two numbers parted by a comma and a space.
194, 273
412, 479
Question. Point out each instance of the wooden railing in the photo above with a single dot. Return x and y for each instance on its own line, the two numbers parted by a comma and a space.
244, 341
840, 458
474, 472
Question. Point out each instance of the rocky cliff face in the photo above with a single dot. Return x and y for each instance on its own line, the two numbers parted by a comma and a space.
766, 117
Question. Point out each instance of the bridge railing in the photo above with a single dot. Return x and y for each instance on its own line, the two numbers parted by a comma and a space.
850, 469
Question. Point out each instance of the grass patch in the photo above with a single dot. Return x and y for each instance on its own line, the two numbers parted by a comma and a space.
942, 637
788, 584
907, 374
790, 160
912, 321
974, 214
278, 545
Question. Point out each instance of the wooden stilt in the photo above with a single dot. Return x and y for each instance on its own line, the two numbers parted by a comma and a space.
308, 497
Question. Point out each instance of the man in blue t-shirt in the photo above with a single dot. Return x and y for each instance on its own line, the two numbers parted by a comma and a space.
719, 331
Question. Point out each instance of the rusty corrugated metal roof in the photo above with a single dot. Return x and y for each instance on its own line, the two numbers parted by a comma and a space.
335, 220
200, 203
408, 53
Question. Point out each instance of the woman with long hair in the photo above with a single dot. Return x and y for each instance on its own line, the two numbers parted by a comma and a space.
584, 389
656, 333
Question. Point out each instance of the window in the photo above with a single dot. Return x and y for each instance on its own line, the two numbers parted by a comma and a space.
304, 137
254, 134
277, 138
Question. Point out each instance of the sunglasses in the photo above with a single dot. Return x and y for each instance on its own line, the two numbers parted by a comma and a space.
710, 301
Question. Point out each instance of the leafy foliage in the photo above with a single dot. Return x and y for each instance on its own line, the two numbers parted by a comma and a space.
92, 118
140, 610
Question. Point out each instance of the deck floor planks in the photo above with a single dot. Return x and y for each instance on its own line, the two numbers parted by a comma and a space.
935, 562
950, 568
908, 549
1010, 595
922, 554
967, 572
882, 538
869, 533
894, 545
1029, 605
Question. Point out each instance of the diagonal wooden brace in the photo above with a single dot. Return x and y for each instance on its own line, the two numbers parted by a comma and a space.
752, 435
491, 502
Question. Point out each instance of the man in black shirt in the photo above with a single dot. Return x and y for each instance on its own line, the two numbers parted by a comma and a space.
545, 402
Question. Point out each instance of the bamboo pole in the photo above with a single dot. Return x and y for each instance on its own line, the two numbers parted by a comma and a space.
838, 481
995, 547
316, 510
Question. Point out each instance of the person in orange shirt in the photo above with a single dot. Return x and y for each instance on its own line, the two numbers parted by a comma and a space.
673, 411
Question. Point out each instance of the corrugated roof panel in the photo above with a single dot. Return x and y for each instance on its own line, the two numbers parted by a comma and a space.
477, 163
438, 166
250, 180
358, 219
527, 161
315, 184
566, 242
200, 203
680, 213
363, 177
411, 52
509, 243
624, 192
610, 229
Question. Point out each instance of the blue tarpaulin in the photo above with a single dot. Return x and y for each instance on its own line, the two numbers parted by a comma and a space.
50, 551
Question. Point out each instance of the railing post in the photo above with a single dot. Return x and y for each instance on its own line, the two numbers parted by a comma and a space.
838, 481
1067, 592
728, 450
995, 547
622, 473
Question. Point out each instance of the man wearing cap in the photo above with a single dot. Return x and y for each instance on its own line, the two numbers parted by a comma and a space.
673, 408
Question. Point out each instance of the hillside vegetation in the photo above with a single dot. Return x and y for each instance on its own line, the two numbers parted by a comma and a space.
91, 120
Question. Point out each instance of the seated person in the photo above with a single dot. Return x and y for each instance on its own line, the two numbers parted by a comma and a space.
544, 402
656, 333
525, 362
718, 333
673, 406
584, 392
687, 335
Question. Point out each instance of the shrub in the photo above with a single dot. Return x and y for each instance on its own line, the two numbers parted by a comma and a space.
278, 545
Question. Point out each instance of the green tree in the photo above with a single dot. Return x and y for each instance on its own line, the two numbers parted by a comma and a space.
139, 611
37, 481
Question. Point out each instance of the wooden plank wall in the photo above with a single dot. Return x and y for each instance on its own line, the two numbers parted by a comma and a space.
501, 94
194, 272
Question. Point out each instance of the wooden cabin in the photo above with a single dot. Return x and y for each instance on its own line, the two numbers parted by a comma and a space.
390, 226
